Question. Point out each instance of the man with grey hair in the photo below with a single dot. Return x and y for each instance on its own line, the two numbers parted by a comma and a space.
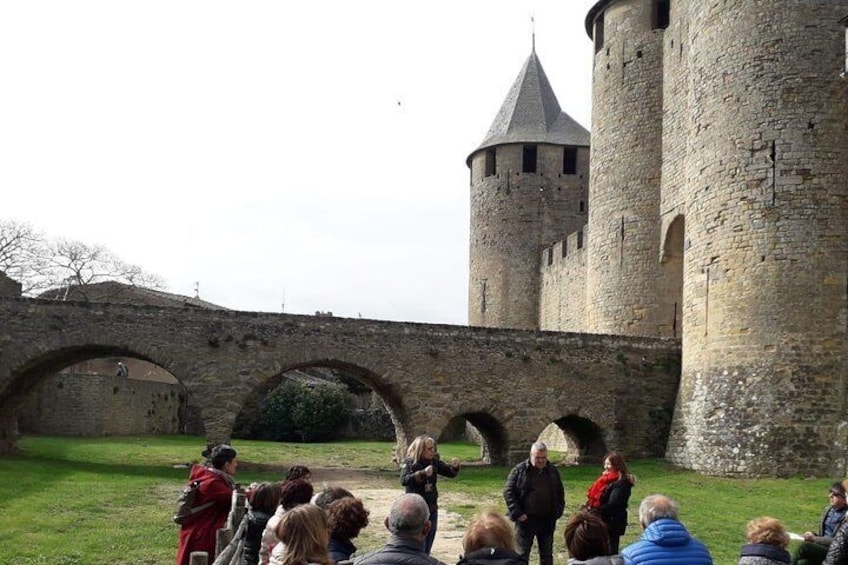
664, 539
535, 499
409, 524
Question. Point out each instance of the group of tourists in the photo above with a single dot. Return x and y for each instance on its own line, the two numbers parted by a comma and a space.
288, 525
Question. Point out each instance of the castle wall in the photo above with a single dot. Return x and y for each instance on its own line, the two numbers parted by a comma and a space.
562, 303
513, 216
763, 380
626, 155
96, 405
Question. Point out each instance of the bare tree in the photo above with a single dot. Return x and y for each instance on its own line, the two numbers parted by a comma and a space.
38, 263
23, 255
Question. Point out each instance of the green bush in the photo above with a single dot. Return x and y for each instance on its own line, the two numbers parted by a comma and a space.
301, 412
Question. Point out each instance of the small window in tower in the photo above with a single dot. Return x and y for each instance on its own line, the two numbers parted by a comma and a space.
582, 206
599, 32
550, 255
662, 13
528, 164
580, 240
491, 162
569, 161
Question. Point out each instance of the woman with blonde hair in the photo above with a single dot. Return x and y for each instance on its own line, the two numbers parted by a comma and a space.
490, 540
767, 542
418, 475
303, 536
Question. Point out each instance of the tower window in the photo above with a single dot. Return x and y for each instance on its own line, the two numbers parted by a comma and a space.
599, 33
582, 206
528, 163
569, 161
491, 162
580, 240
662, 13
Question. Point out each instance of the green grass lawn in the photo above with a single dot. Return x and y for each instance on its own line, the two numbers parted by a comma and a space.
109, 500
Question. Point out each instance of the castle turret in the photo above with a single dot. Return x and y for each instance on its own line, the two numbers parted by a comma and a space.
622, 280
529, 179
766, 260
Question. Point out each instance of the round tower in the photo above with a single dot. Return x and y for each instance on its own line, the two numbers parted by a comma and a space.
766, 262
529, 179
626, 162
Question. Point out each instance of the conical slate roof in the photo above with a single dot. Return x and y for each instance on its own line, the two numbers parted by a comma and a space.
531, 114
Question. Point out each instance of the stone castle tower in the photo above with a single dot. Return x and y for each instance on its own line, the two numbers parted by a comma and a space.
529, 187
717, 213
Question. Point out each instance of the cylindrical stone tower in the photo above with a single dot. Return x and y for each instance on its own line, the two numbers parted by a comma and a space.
763, 386
626, 158
529, 181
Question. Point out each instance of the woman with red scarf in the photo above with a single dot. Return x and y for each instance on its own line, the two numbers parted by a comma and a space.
608, 497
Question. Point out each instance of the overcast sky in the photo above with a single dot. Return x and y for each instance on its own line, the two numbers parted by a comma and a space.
311, 153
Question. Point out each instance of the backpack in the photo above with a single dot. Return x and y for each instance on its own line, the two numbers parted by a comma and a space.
185, 503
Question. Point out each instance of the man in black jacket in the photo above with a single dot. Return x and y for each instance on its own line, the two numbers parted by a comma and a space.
535, 499
409, 523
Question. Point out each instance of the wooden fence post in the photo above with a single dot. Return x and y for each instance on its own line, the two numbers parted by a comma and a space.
198, 558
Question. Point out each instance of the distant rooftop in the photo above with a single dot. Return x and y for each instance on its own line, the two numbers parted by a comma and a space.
120, 293
531, 114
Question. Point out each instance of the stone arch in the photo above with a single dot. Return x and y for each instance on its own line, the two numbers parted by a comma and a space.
493, 435
670, 289
45, 398
390, 398
586, 437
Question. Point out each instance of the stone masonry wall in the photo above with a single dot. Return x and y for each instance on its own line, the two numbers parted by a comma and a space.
509, 384
513, 216
765, 275
562, 305
626, 161
91, 405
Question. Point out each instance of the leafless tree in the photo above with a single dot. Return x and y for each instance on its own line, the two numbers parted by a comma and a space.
39, 263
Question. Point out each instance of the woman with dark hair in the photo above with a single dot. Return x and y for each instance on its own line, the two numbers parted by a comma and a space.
292, 494
419, 473
588, 541
264, 500
213, 502
489, 540
299, 472
346, 517
609, 494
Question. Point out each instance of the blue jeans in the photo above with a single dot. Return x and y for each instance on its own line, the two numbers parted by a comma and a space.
428, 541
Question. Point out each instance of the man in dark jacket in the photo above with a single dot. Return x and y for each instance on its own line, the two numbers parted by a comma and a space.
409, 523
535, 499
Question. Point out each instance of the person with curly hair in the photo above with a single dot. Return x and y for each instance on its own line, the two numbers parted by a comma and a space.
767, 543
292, 494
346, 518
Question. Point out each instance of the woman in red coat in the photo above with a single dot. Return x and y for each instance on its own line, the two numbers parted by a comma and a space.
217, 484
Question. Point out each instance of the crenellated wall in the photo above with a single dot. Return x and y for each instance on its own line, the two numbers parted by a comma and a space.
513, 216
562, 306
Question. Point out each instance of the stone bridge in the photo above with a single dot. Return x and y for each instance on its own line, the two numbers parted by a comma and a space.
605, 392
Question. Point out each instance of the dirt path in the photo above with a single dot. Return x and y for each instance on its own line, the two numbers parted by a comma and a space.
378, 492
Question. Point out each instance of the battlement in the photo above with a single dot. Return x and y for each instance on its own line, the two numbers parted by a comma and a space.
571, 250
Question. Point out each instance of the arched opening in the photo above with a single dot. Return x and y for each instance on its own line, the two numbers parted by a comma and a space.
582, 440
482, 429
100, 391
365, 408
671, 279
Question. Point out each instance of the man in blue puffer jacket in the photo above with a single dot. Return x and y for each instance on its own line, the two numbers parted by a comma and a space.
665, 540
